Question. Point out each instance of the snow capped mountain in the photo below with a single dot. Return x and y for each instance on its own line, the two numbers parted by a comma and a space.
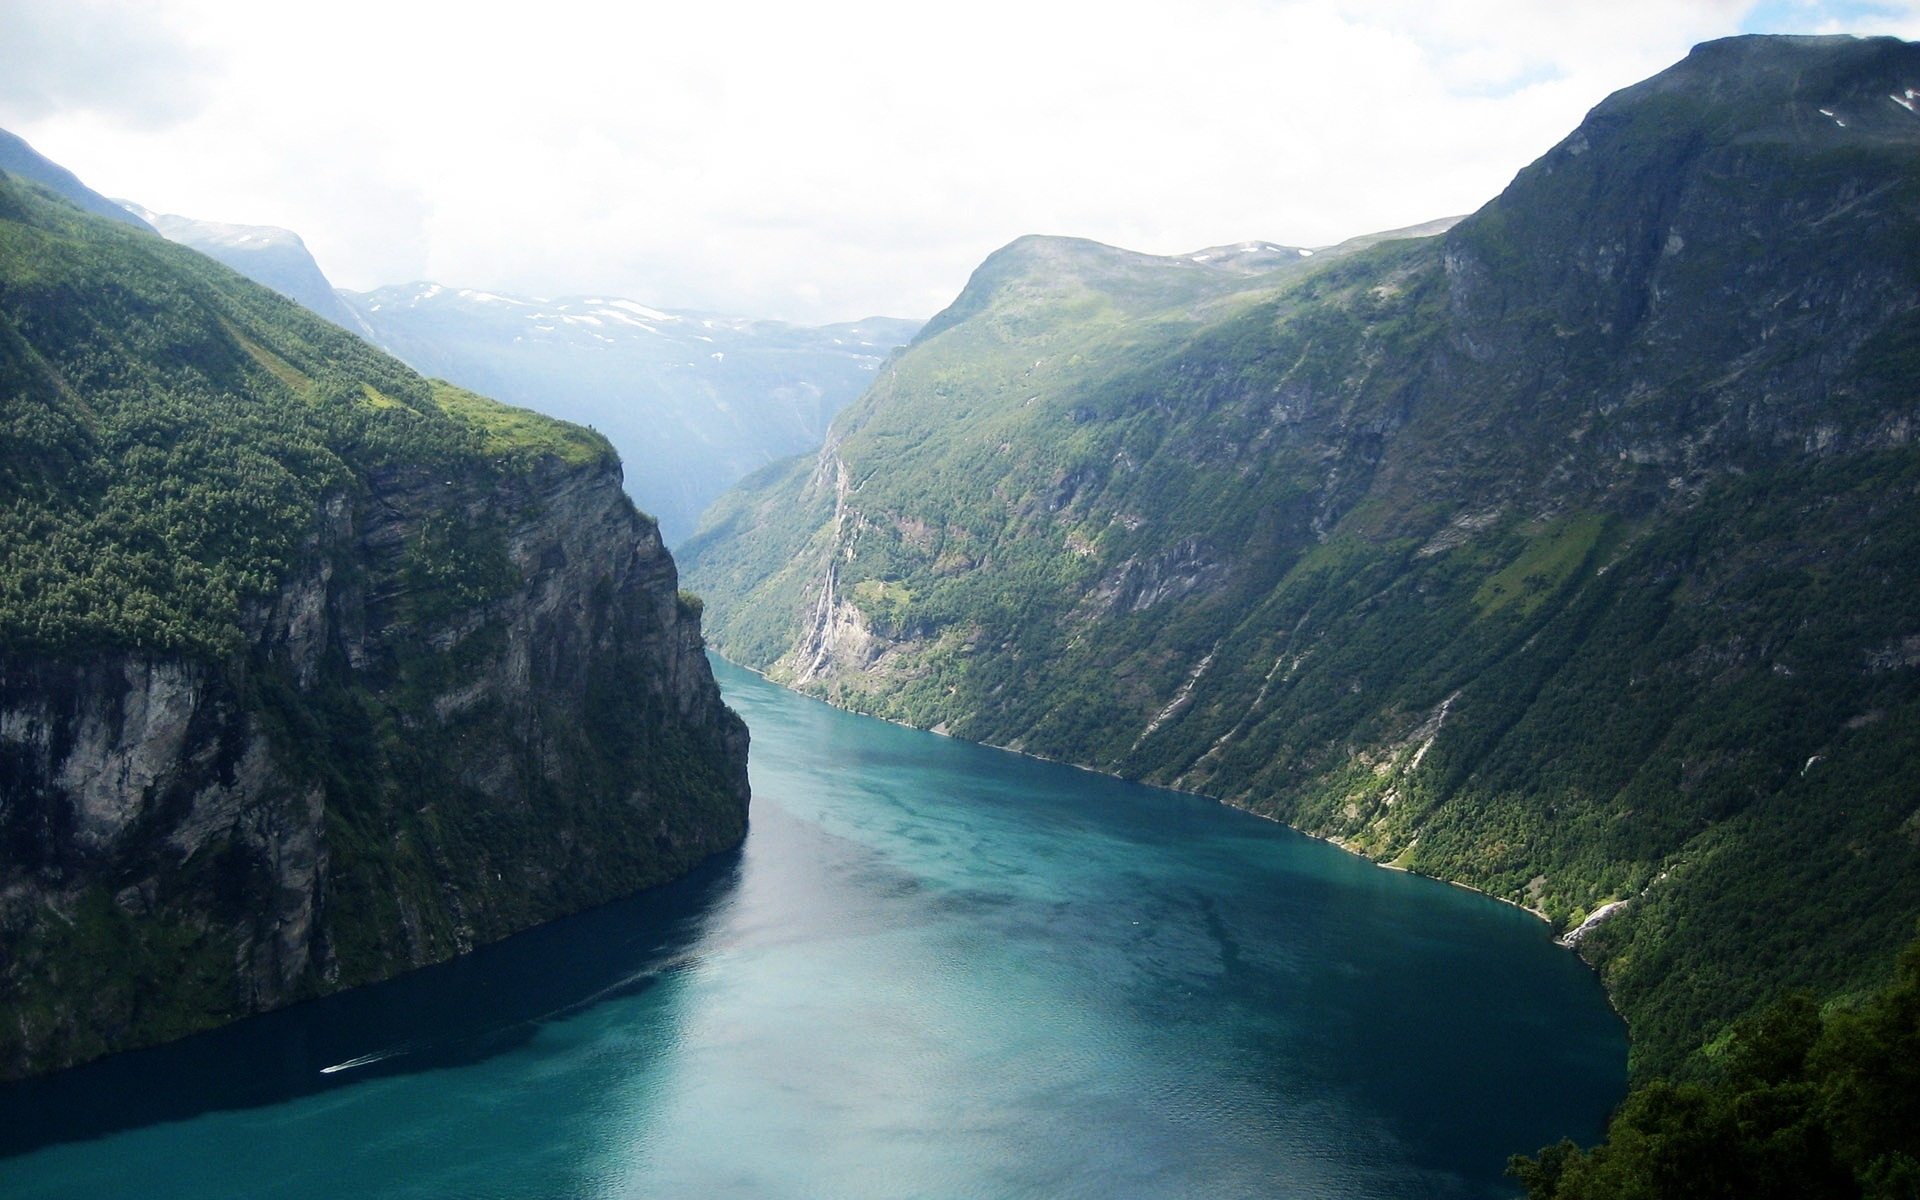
693, 401
263, 253
1249, 258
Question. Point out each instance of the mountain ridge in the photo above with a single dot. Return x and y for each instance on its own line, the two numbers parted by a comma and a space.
692, 400
266, 254
686, 422
1553, 554
19, 158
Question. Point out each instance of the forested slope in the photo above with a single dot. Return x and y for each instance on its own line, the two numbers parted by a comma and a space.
311, 670
1573, 554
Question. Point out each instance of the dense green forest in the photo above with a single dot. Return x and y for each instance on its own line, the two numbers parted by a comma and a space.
1805, 1104
169, 435
1571, 554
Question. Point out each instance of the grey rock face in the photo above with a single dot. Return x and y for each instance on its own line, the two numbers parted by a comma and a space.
165, 817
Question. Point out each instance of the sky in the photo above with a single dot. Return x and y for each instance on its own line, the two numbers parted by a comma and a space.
830, 160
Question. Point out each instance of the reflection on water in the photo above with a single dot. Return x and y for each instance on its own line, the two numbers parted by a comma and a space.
448, 1015
934, 970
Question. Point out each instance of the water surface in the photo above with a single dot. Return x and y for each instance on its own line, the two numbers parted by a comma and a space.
934, 970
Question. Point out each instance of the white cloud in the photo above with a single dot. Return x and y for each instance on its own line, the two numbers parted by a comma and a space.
59, 55
836, 159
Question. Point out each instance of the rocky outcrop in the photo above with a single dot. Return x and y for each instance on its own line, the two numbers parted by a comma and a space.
475, 705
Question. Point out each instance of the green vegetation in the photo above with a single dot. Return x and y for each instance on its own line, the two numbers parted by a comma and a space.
1550, 559
333, 557
518, 434
1572, 555
1802, 1105
170, 434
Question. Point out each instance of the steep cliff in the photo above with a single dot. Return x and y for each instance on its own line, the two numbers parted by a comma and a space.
311, 671
1570, 553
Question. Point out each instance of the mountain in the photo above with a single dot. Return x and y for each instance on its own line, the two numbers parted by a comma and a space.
19, 159
311, 670
692, 402
265, 254
1572, 553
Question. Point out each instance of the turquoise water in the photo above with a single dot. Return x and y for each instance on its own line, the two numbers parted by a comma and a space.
934, 971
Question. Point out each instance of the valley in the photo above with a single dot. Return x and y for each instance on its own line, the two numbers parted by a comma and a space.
1566, 551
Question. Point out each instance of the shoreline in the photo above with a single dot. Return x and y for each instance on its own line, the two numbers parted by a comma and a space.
1559, 940
1605, 910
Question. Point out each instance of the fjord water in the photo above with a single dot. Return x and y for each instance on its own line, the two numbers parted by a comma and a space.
934, 970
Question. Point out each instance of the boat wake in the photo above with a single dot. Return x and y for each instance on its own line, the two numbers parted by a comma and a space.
361, 1061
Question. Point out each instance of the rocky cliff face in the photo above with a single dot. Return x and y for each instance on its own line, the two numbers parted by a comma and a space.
168, 822
182, 843
311, 671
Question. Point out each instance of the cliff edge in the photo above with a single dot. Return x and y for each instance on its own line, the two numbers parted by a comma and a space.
311, 671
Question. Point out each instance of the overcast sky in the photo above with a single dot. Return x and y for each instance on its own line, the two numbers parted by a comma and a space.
827, 160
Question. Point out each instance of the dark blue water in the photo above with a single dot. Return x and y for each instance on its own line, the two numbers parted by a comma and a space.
934, 971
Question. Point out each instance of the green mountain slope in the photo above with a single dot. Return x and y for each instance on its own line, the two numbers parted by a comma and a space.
1809, 1105
1572, 554
311, 670
266, 254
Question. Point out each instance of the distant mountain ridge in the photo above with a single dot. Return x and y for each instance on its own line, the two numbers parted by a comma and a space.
18, 158
1572, 553
265, 254
691, 401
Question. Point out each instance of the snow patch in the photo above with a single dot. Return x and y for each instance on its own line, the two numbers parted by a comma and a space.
624, 319
1905, 101
641, 310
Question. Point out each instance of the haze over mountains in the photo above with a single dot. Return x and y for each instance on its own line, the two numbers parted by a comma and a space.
18, 158
265, 254
692, 401
1570, 551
